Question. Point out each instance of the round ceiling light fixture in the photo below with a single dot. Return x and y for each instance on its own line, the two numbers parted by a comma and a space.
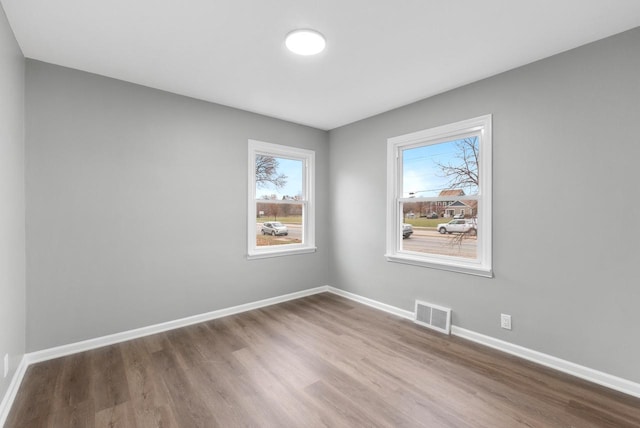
305, 42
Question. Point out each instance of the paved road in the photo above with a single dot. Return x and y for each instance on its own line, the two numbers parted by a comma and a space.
430, 241
422, 240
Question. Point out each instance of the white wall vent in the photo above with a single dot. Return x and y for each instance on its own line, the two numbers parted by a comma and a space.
433, 316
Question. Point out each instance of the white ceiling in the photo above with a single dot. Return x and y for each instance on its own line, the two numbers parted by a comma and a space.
380, 54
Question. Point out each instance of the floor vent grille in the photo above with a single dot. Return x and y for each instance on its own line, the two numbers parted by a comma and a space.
433, 316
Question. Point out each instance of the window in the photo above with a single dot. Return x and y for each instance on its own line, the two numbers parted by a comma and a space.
281, 194
439, 182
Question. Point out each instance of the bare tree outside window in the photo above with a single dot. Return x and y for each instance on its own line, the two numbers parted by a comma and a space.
464, 173
267, 172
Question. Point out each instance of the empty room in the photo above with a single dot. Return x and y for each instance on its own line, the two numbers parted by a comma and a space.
319, 213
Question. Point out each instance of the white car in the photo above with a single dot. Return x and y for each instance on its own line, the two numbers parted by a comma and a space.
274, 228
459, 226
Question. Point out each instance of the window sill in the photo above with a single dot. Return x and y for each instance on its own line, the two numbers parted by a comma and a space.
254, 255
466, 268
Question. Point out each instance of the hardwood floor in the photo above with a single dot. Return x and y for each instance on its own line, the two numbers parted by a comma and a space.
317, 361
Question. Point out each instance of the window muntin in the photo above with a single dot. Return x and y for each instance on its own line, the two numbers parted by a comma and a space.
281, 211
436, 176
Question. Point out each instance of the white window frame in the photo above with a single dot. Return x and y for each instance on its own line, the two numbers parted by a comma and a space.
482, 265
308, 197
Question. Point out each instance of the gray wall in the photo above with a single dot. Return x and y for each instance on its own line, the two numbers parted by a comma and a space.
12, 240
565, 210
136, 207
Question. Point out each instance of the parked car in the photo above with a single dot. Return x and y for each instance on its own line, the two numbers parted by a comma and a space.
274, 228
407, 230
432, 215
459, 226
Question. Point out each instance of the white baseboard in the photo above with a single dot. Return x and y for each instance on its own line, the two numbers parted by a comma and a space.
10, 395
373, 303
595, 376
85, 345
582, 372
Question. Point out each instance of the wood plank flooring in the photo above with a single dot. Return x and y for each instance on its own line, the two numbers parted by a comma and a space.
317, 361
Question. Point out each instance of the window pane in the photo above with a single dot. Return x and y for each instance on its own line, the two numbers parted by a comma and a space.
278, 178
280, 200
278, 223
443, 169
452, 233
439, 209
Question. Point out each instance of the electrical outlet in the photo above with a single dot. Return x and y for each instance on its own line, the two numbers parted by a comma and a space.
6, 365
505, 321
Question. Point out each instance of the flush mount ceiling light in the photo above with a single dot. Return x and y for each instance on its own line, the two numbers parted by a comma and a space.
305, 42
